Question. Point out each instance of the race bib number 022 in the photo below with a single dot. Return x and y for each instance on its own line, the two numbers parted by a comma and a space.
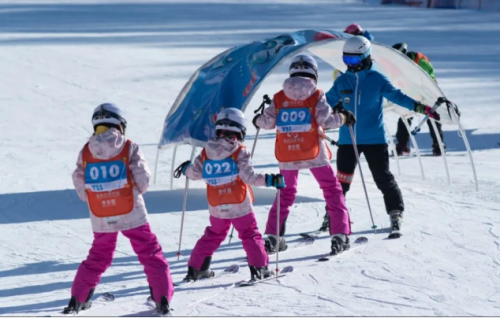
218, 172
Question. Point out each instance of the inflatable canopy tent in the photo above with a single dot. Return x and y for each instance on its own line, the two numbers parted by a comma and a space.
233, 76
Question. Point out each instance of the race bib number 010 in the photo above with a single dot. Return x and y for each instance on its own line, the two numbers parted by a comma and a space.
294, 120
218, 172
105, 176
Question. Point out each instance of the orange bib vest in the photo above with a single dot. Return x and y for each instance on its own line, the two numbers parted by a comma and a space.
109, 183
419, 56
224, 186
297, 132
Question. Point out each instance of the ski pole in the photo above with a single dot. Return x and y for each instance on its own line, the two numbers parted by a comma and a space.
184, 206
261, 110
439, 101
374, 227
332, 142
278, 205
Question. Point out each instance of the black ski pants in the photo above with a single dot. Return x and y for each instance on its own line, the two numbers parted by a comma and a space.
377, 157
403, 136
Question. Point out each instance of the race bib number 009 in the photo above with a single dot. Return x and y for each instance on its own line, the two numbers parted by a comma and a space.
294, 120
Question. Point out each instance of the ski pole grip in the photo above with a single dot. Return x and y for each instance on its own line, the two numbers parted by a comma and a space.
439, 101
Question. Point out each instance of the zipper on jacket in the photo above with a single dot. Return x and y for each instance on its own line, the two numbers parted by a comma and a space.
356, 105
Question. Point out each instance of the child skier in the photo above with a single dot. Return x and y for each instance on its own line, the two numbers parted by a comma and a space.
225, 165
111, 176
300, 114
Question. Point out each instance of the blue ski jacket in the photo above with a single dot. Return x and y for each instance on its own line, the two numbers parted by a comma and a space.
362, 93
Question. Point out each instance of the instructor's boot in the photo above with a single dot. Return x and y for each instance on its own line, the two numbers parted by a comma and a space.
396, 221
75, 306
204, 272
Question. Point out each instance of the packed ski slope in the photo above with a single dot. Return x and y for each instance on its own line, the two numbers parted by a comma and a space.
60, 59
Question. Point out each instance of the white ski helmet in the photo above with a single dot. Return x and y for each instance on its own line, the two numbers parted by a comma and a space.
108, 113
358, 45
231, 119
303, 64
357, 51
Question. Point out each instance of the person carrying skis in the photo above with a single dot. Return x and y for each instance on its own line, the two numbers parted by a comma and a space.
361, 89
111, 176
300, 115
225, 165
402, 135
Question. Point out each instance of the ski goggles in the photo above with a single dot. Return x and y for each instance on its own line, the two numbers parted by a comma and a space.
303, 65
354, 59
104, 115
230, 125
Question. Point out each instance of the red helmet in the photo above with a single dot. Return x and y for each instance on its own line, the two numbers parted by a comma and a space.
354, 29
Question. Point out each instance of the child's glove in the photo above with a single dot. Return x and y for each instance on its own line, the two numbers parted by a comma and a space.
181, 170
426, 110
275, 180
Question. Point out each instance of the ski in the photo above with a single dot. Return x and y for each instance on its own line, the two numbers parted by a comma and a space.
310, 235
99, 300
360, 241
282, 273
232, 269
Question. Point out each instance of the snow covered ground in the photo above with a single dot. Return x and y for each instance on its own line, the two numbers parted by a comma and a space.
60, 59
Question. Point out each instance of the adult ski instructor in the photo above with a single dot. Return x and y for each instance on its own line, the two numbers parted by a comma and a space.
361, 90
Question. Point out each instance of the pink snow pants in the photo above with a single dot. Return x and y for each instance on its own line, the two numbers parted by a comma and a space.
216, 233
332, 191
148, 250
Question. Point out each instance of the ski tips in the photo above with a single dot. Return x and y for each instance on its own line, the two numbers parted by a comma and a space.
361, 240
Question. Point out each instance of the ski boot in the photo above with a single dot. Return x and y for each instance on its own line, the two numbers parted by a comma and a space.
436, 151
325, 227
259, 273
204, 272
162, 308
340, 243
403, 150
271, 242
396, 220
75, 306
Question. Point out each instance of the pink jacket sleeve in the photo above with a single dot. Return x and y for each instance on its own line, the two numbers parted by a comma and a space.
195, 171
268, 119
247, 172
79, 178
324, 116
139, 168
